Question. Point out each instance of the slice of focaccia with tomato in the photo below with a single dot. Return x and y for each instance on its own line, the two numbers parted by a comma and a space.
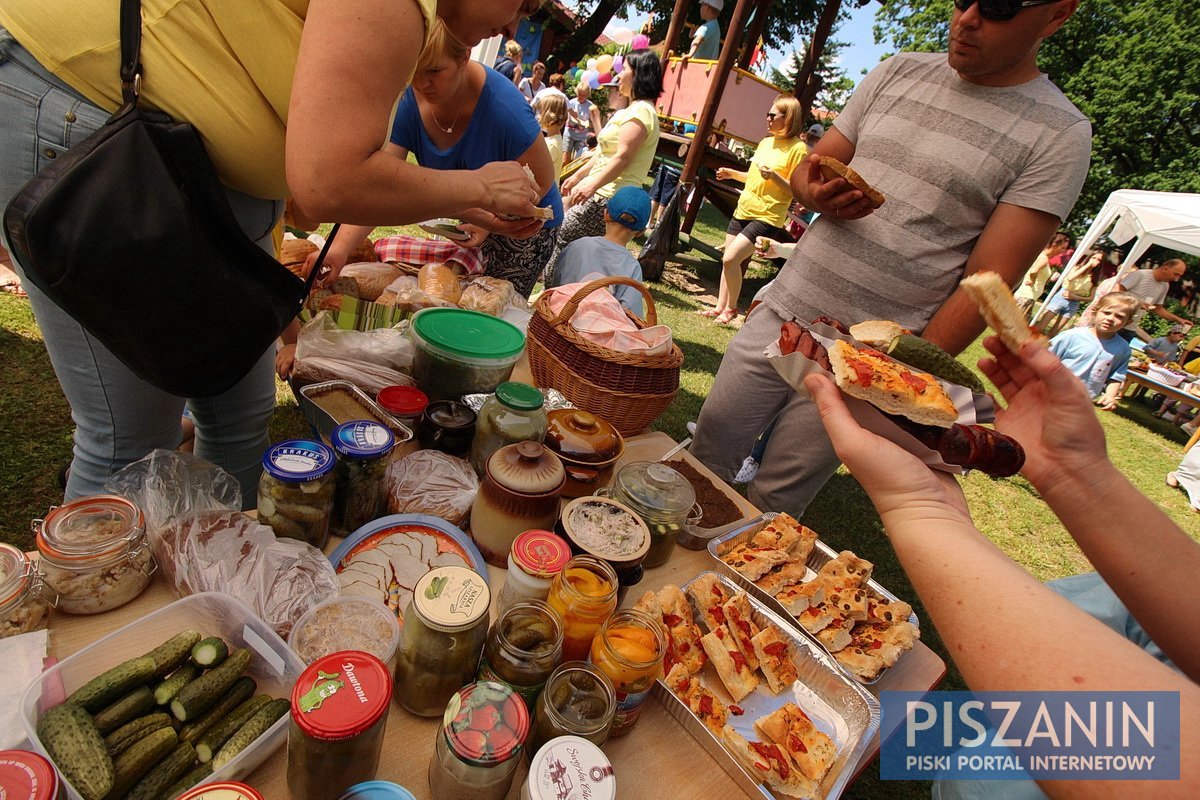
811, 750
683, 637
754, 562
775, 659
739, 680
891, 386
836, 634
887, 640
815, 618
648, 604
849, 601
708, 594
866, 665
696, 696
766, 763
741, 624
847, 569
798, 598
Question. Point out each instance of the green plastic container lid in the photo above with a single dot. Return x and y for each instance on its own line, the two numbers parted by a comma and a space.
519, 396
472, 334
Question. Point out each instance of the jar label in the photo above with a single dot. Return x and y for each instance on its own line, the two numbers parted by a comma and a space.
629, 707
527, 693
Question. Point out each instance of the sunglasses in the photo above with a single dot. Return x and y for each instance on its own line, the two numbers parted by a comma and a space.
771, 115
1000, 10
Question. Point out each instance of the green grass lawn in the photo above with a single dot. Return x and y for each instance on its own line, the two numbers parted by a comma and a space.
35, 443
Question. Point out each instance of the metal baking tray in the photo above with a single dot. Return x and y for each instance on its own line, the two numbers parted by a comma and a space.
324, 424
838, 706
820, 554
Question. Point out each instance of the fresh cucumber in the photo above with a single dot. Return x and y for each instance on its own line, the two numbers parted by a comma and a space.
208, 744
255, 727
209, 652
74, 743
193, 778
123, 737
128, 708
206, 690
173, 652
132, 765
155, 782
116, 682
165, 692
239, 693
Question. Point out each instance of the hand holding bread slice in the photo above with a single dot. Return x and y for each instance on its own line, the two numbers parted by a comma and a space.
999, 309
832, 168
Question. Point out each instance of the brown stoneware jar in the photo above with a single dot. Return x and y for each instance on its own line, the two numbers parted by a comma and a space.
588, 448
520, 492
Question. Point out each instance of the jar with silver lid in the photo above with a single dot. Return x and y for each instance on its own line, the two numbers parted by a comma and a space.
536, 557
94, 553
23, 605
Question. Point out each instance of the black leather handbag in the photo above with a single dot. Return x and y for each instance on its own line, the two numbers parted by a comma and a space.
130, 233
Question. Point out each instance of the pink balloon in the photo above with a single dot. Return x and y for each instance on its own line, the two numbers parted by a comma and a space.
640, 41
605, 77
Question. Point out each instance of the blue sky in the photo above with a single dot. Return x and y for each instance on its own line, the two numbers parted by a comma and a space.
860, 53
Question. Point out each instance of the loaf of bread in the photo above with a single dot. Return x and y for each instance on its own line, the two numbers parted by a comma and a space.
365, 252
832, 168
488, 295
365, 280
438, 280
294, 253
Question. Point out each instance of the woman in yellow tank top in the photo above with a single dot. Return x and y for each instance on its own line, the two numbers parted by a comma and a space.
290, 97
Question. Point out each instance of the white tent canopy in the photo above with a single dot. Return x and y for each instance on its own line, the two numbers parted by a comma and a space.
1169, 219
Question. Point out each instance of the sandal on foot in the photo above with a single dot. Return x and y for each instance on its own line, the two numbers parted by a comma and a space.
708, 312
727, 317
1172, 480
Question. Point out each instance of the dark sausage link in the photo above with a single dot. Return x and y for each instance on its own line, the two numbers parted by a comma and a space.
789, 337
833, 323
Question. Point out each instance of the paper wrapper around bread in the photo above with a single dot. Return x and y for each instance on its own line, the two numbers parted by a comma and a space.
972, 408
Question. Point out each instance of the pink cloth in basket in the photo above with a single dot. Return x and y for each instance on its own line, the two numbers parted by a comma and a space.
600, 318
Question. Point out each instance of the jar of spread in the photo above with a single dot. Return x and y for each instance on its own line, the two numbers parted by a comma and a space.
523, 648
577, 701
28, 776
662, 498
444, 631
23, 605
583, 594
478, 744
225, 790
629, 651
363, 448
94, 553
513, 414
405, 403
295, 492
611, 531
339, 715
570, 768
447, 425
536, 557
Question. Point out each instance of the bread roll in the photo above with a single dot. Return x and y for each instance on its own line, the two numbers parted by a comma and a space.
367, 280
999, 309
438, 280
365, 252
294, 253
876, 332
832, 168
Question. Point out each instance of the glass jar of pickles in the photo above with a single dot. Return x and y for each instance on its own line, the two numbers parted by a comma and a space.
23, 608
577, 701
295, 492
360, 494
523, 648
513, 414
479, 743
629, 651
583, 594
445, 627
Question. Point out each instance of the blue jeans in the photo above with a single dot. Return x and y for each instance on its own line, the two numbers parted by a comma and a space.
118, 417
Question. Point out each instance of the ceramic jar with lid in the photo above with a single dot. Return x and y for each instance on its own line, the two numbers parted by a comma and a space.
588, 448
520, 491
536, 557
513, 414
447, 425
94, 553
662, 498
23, 606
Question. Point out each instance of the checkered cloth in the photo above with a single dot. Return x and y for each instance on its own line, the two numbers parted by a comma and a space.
416, 250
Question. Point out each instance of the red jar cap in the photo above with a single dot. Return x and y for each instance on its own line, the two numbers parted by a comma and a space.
225, 790
341, 695
26, 776
404, 401
540, 553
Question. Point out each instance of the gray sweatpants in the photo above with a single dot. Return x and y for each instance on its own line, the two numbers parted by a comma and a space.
747, 394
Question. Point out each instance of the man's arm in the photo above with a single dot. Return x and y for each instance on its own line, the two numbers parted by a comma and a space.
1010, 242
1162, 311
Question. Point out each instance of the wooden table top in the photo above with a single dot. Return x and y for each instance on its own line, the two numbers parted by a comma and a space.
1179, 393
658, 753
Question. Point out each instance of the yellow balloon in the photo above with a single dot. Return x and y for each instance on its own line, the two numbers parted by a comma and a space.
604, 63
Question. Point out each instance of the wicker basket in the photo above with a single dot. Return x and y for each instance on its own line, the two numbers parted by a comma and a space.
630, 390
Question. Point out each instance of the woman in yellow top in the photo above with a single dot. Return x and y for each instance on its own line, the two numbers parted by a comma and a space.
624, 152
762, 208
289, 96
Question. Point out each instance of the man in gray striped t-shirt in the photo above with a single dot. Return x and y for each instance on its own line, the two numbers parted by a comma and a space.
980, 158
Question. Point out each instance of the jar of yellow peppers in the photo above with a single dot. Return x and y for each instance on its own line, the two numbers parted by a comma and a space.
583, 594
629, 651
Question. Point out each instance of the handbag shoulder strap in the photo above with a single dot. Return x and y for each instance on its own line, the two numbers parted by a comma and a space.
131, 48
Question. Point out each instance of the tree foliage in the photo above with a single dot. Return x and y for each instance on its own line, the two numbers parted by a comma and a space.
1133, 67
836, 84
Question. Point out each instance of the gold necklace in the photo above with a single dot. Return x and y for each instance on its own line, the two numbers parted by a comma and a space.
453, 122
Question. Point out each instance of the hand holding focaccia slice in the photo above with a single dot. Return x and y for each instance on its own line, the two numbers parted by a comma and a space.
683, 637
709, 594
775, 659
999, 308
811, 750
731, 666
754, 562
767, 764
891, 386
832, 168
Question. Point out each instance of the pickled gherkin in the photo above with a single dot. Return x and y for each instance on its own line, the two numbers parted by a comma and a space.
363, 448
296, 491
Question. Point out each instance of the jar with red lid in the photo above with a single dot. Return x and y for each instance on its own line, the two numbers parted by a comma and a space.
94, 553
536, 557
23, 604
28, 776
339, 715
405, 403
479, 743
224, 790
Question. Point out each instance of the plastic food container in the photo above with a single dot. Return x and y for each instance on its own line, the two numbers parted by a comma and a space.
570, 768
28, 776
94, 553
457, 352
274, 667
347, 623
23, 607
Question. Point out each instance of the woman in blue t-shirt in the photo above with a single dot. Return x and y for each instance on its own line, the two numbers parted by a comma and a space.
457, 115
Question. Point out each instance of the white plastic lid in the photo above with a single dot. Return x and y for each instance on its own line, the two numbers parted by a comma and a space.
571, 768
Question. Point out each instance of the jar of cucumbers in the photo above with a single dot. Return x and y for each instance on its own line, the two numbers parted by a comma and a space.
295, 492
363, 448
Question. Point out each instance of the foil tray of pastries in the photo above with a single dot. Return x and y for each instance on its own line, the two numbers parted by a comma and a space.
827, 594
766, 702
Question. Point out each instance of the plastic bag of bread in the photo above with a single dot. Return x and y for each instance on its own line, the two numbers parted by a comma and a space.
432, 482
440, 281
386, 347
405, 294
366, 281
486, 294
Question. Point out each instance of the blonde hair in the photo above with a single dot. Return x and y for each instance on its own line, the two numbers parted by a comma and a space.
552, 112
790, 107
1125, 302
441, 43
512, 49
